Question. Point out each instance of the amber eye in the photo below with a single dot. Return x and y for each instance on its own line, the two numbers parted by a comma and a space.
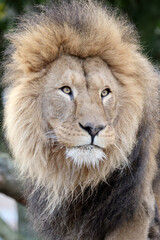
105, 92
66, 90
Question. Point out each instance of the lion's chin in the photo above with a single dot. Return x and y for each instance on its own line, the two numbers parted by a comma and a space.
87, 155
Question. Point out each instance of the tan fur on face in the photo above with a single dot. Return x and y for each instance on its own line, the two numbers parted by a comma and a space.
46, 56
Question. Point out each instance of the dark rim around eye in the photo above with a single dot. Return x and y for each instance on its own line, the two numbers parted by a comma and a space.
108, 92
63, 89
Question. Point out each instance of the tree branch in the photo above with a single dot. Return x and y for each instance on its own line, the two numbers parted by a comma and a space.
7, 233
9, 184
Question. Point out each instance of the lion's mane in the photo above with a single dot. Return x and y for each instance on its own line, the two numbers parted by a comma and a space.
80, 29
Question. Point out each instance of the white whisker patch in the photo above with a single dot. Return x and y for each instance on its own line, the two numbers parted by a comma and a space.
86, 156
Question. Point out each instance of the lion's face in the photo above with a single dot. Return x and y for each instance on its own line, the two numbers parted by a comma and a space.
75, 116
80, 105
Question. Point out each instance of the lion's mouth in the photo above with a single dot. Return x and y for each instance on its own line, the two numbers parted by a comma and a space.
86, 155
88, 147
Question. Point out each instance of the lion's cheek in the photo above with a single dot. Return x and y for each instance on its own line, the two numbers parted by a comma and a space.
71, 140
104, 142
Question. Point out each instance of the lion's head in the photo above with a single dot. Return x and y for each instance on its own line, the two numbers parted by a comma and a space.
79, 89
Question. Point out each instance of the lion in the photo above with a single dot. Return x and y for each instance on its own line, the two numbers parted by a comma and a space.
82, 121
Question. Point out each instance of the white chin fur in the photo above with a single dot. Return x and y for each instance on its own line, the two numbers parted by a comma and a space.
85, 155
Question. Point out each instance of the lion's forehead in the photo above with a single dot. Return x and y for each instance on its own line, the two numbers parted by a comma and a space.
91, 72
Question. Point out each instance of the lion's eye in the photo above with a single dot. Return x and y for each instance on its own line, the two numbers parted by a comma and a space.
66, 90
105, 92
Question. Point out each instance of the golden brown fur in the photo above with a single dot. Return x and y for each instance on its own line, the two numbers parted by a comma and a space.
41, 122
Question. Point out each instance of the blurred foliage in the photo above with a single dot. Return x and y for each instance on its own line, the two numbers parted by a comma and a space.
145, 14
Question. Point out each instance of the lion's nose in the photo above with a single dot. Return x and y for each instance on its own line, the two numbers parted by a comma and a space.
91, 129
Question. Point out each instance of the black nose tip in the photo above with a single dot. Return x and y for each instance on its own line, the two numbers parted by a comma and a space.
91, 129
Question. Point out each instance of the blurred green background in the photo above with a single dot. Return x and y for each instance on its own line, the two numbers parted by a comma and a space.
145, 14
